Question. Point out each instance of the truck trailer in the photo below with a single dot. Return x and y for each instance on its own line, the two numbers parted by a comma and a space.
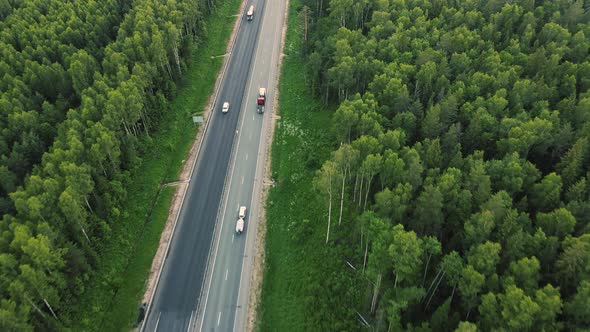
240, 221
261, 100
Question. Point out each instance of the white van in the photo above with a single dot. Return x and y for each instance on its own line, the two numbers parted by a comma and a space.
250, 13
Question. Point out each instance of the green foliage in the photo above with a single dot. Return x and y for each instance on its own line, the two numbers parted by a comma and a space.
470, 285
518, 311
295, 263
406, 254
471, 124
466, 327
484, 257
558, 223
66, 241
578, 309
50, 52
526, 273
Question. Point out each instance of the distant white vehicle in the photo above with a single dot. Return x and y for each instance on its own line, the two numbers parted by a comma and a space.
225, 107
240, 222
250, 13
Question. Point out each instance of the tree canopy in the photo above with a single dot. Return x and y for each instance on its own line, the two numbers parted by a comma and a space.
83, 83
468, 123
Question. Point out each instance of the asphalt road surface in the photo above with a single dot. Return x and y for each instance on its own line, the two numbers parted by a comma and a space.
185, 298
225, 296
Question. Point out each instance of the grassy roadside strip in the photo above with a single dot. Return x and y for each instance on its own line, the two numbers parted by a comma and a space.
301, 143
111, 304
124, 310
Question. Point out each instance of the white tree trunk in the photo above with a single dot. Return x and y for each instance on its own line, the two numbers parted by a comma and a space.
366, 251
367, 195
84, 231
329, 216
432, 284
361, 191
434, 291
375, 293
342, 197
87, 203
177, 57
50, 309
35, 306
426, 269
356, 182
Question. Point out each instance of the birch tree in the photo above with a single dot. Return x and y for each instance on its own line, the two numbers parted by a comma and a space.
324, 182
344, 158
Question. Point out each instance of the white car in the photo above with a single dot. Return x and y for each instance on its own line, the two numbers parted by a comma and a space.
225, 107
240, 222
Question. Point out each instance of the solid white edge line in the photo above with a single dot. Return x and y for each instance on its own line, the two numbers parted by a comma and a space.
218, 318
190, 320
158, 321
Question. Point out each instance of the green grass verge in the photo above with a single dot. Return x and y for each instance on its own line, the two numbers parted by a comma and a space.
301, 143
124, 311
111, 301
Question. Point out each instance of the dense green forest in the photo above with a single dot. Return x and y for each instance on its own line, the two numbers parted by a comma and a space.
50, 50
83, 83
458, 189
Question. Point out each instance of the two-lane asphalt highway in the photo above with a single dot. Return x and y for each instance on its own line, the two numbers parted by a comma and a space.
225, 297
174, 306
231, 154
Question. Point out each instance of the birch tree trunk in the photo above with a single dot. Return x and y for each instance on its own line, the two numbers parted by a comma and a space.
35, 306
50, 309
87, 203
356, 182
375, 293
84, 231
432, 284
365, 256
342, 197
435, 288
329, 215
426, 269
367, 195
361, 192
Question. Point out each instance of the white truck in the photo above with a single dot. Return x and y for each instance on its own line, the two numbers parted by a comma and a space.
261, 100
240, 222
